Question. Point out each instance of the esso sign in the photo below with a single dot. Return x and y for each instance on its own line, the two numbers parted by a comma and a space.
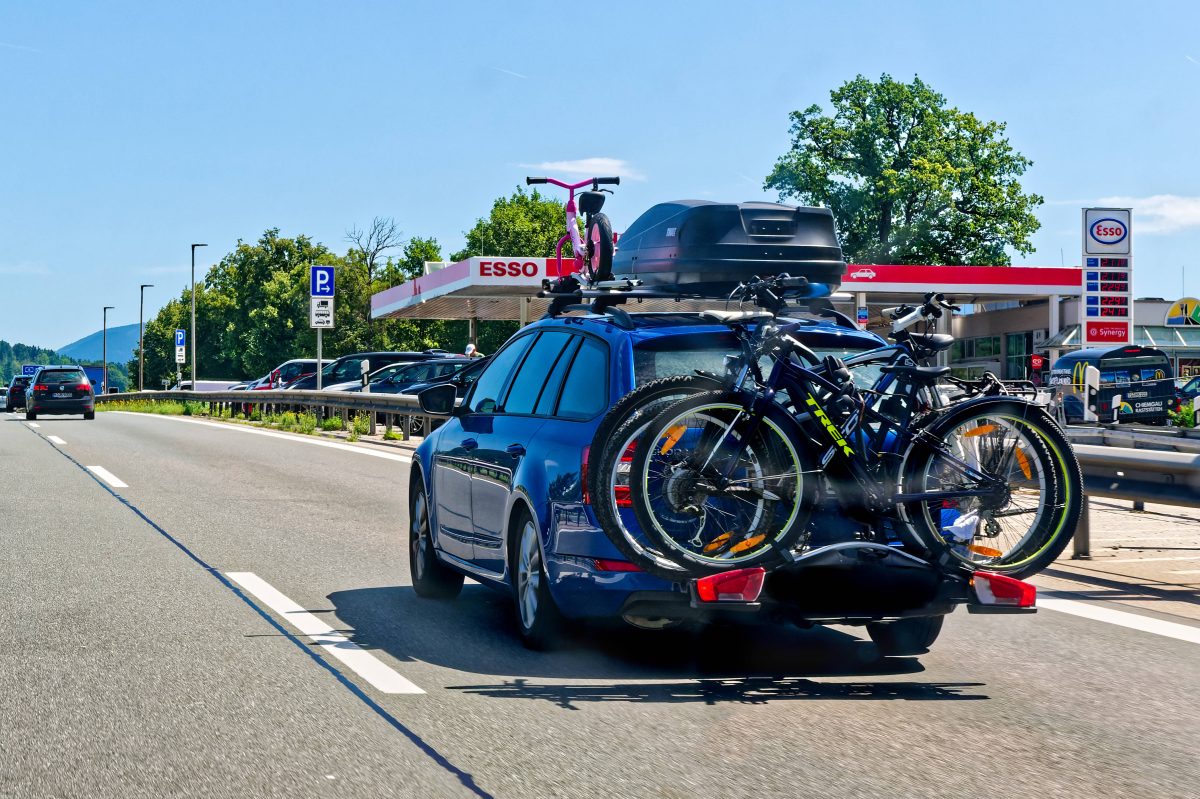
508, 269
1108, 231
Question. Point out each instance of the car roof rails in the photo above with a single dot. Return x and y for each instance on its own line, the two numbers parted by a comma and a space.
616, 315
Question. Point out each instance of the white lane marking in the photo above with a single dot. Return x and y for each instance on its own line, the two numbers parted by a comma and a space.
362, 662
273, 434
1186, 571
33, 424
107, 476
1149, 560
55, 440
1133, 621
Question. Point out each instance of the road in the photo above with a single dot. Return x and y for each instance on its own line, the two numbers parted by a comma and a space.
151, 650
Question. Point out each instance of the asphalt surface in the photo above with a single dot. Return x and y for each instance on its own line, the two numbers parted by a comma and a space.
133, 666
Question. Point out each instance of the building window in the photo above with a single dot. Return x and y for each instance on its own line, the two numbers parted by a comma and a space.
1016, 360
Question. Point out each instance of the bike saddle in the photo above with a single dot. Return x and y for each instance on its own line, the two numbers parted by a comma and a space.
725, 317
936, 342
590, 202
922, 374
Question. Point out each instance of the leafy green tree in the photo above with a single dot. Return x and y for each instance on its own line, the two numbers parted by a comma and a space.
909, 180
520, 225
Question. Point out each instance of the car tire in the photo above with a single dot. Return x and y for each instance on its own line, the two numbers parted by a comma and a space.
30, 416
89, 415
905, 636
539, 620
431, 578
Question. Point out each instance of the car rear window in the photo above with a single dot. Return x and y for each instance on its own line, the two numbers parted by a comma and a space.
684, 355
20, 381
61, 376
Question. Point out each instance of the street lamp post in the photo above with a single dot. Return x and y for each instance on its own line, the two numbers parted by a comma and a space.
194, 246
104, 351
141, 344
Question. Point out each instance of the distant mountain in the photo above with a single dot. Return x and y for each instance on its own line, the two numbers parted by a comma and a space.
122, 343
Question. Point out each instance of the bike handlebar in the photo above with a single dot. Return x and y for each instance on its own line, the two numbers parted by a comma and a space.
606, 181
593, 182
531, 181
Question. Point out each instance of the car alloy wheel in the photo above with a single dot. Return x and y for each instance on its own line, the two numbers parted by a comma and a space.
420, 536
529, 575
430, 578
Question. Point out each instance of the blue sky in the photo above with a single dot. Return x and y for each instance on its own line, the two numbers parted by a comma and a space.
130, 130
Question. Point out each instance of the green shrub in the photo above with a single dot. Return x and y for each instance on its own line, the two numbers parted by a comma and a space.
360, 424
307, 423
1186, 417
256, 415
390, 434
162, 407
332, 423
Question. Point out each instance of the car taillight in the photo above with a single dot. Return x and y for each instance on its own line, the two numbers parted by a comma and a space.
739, 585
84, 386
41, 387
587, 499
996, 589
606, 565
621, 491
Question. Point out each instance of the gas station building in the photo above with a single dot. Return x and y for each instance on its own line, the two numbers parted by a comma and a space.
1014, 311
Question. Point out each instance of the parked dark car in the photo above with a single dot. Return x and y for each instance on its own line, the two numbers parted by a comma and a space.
462, 379
348, 367
15, 396
399, 378
287, 372
1185, 394
60, 390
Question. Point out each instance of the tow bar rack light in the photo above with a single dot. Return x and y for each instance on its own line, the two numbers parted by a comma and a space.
739, 585
998, 590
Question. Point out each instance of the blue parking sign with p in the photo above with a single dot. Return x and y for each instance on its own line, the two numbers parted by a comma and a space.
321, 281
180, 338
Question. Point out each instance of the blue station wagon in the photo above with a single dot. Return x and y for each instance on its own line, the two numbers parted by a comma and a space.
497, 494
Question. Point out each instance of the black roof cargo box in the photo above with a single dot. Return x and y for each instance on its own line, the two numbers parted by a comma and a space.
707, 247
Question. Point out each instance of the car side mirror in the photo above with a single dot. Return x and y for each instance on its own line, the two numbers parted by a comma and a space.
438, 400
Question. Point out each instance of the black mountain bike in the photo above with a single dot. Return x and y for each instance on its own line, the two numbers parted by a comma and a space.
730, 478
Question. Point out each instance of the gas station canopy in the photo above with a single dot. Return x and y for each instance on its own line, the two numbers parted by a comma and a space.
493, 287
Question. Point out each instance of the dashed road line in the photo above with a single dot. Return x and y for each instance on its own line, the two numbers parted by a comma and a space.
362, 662
33, 424
1133, 621
107, 476
55, 440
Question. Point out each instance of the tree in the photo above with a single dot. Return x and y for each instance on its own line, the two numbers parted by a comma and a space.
369, 244
908, 179
518, 226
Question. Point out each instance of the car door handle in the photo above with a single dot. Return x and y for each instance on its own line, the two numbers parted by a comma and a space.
469, 443
515, 449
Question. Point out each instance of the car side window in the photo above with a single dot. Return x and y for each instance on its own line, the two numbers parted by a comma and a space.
549, 398
531, 378
490, 385
585, 390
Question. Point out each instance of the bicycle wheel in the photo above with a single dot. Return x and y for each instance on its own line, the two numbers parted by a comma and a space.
715, 488
1005, 487
609, 459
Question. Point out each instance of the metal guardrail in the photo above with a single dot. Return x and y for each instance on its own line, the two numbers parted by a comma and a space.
402, 412
1167, 478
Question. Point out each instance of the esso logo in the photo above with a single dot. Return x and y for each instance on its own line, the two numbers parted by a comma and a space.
1108, 231
508, 269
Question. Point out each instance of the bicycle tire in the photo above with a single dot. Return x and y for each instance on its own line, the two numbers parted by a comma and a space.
774, 457
1059, 479
625, 419
599, 248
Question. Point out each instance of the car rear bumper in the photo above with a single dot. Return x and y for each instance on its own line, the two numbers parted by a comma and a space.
60, 406
848, 583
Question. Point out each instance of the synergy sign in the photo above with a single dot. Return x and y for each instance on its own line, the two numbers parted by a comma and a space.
1106, 310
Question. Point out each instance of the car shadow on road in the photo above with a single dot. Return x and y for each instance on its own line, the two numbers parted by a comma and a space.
476, 634
738, 690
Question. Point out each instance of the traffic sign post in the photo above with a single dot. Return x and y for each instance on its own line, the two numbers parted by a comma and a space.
320, 312
181, 350
1106, 310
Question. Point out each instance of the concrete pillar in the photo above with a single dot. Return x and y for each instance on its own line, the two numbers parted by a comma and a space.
473, 330
524, 302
